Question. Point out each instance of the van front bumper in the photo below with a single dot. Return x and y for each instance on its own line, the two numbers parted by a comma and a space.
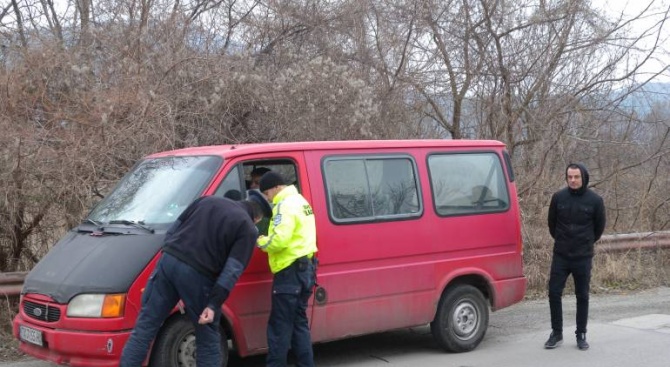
71, 347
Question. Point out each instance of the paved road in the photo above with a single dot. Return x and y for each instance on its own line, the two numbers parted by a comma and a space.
624, 330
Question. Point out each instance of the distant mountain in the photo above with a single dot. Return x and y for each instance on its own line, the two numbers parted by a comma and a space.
643, 99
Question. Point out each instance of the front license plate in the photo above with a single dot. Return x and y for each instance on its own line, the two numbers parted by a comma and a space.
31, 335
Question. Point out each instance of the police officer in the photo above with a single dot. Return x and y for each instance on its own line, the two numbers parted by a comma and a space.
290, 245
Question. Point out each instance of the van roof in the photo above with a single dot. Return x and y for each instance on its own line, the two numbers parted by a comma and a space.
223, 150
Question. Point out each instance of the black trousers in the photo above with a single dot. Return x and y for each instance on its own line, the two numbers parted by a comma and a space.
561, 268
171, 281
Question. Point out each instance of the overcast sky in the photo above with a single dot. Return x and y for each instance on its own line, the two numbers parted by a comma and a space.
657, 9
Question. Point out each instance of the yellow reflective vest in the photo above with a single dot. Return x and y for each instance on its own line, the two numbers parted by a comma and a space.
292, 231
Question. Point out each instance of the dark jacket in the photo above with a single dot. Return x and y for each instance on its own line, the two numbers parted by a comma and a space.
576, 219
216, 236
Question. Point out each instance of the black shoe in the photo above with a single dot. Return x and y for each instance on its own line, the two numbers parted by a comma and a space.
581, 342
554, 341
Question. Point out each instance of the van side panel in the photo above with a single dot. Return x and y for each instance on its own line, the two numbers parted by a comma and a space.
385, 275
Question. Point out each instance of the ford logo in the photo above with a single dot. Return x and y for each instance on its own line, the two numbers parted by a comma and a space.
37, 312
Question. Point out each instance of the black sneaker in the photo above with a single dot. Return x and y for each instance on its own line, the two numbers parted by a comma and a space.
581, 342
554, 341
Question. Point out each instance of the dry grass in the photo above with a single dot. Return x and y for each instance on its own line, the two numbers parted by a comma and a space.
631, 270
612, 272
9, 347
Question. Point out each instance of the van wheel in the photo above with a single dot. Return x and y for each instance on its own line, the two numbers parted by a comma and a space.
461, 320
175, 345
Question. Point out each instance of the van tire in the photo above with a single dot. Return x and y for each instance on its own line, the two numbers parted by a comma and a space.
461, 319
175, 345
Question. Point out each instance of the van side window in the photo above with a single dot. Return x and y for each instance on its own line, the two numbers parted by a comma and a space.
467, 183
362, 188
286, 168
231, 187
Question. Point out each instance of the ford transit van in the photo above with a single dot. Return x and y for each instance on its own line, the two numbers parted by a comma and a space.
410, 232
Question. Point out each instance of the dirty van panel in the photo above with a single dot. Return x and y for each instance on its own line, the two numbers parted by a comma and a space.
387, 253
81, 263
370, 223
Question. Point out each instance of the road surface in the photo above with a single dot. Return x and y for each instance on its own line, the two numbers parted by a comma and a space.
624, 330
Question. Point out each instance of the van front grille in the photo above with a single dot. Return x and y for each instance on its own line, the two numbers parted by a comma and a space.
41, 312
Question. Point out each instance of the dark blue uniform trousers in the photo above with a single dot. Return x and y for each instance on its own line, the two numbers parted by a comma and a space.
288, 327
171, 281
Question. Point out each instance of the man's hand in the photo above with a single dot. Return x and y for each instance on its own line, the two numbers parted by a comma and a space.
206, 317
262, 242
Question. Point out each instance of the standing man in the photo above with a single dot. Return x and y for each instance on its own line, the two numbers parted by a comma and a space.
205, 251
290, 245
576, 221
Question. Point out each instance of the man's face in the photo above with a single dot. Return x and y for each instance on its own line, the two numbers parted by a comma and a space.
270, 193
574, 178
255, 182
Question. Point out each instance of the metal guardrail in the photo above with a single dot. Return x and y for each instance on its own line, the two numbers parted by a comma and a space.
633, 241
12, 283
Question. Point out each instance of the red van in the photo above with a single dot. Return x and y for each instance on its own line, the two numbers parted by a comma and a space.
410, 232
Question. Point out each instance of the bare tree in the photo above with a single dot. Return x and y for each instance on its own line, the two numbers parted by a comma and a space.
19, 23
88, 89
84, 8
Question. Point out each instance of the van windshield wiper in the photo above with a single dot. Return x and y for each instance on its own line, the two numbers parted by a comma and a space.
82, 227
139, 224
91, 221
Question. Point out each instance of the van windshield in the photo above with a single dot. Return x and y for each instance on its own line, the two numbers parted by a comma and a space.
157, 190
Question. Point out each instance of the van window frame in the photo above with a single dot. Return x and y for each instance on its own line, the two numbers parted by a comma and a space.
377, 218
242, 161
503, 172
508, 164
240, 178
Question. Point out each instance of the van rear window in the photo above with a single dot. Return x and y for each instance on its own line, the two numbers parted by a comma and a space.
371, 188
467, 183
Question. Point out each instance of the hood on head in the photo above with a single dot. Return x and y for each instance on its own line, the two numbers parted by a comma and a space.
585, 176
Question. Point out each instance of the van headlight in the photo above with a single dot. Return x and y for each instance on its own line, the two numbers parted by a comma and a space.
97, 305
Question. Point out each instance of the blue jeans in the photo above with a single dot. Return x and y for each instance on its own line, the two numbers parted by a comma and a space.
288, 327
171, 281
561, 268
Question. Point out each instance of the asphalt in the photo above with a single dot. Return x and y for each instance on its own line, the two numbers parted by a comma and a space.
624, 330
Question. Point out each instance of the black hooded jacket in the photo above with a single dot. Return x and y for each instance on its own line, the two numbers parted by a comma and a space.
216, 236
576, 219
